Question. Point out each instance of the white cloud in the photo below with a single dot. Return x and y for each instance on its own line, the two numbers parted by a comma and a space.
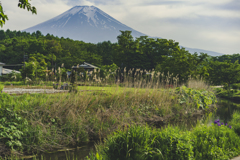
20, 19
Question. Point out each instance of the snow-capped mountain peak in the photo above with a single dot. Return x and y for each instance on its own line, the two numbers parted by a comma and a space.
86, 23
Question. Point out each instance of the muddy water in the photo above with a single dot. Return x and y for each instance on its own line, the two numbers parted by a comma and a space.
78, 153
223, 113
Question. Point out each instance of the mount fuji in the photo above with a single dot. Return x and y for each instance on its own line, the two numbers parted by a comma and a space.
86, 23
90, 24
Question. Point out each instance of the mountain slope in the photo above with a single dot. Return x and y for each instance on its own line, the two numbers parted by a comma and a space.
193, 50
86, 23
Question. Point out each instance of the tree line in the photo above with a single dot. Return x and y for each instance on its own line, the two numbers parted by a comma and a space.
162, 55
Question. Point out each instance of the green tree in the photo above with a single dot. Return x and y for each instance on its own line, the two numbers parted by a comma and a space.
127, 51
224, 73
108, 70
30, 68
41, 65
21, 4
54, 47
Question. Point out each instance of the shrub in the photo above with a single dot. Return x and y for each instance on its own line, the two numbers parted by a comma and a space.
201, 98
1, 87
5, 100
215, 142
235, 122
12, 127
133, 143
143, 143
173, 144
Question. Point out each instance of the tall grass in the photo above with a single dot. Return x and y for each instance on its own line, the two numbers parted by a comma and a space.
143, 143
97, 110
198, 84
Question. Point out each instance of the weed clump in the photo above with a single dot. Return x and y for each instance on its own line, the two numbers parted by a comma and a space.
235, 122
1, 87
170, 143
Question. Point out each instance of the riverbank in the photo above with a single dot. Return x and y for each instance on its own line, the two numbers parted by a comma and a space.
51, 122
203, 142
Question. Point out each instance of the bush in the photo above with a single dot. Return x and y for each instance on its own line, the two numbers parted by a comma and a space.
5, 100
1, 87
215, 142
13, 83
133, 143
12, 127
201, 98
142, 143
173, 144
235, 122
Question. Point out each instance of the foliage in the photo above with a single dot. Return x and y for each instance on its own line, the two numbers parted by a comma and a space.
183, 64
235, 122
141, 53
34, 68
141, 142
227, 57
173, 143
21, 4
161, 55
58, 120
214, 142
12, 83
201, 98
217, 122
12, 127
133, 143
108, 70
225, 93
29, 70
1, 87
13, 76
224, 72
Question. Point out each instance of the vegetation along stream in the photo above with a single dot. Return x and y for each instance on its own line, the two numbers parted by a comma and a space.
223, 113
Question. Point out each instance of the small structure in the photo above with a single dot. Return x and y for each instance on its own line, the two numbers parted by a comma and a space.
8, 71
1, 66
86, 66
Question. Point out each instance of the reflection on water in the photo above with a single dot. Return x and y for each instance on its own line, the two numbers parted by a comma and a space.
223, 113
78, 153
225, 110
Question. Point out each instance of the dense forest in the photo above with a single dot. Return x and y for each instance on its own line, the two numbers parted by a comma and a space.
133, 53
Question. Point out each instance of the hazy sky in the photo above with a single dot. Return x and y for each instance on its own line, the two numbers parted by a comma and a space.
205, 24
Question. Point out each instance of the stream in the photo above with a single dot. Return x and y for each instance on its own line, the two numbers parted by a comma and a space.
223, 113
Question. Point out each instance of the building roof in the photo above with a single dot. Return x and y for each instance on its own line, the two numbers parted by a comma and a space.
85, 65
8, 71
2, 63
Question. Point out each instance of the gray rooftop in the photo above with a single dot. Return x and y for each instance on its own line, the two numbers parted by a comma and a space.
8, 71
85, 65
